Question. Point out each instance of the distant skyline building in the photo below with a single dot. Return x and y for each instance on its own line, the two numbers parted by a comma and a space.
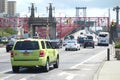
11, 11
3, 6
7, 8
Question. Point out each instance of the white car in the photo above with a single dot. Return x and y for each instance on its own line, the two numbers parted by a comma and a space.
65, 42
72, 45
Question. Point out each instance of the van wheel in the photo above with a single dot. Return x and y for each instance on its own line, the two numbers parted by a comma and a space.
56, 63
46, 68
15, 69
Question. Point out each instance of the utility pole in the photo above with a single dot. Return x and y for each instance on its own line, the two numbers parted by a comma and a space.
117, 19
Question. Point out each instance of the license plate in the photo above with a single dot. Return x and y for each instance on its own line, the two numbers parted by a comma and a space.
26, 53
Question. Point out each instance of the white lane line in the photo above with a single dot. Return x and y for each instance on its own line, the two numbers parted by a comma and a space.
70, 76
75, 66
62, 73
23, 79
26, 78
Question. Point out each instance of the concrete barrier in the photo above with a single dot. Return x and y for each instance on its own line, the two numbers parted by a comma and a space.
117, 54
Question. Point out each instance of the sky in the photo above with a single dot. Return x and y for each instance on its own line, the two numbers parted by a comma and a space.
95, 8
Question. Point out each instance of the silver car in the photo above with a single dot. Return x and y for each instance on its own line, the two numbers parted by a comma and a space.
72, 45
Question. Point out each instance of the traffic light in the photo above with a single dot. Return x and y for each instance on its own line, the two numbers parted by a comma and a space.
113, 24
68, 21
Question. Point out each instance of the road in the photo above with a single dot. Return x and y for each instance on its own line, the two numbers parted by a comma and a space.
74, 65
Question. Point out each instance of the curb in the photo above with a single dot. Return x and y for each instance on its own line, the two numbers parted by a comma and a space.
96, 76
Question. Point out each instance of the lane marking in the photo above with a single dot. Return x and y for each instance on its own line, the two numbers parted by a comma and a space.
25, 78
70, 76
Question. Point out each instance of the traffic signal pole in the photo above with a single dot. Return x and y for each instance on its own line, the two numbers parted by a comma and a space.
117, 19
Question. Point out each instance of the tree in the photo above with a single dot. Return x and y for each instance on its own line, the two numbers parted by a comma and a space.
10, 30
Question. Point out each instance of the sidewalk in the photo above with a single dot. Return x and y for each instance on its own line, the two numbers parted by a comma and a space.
109, 70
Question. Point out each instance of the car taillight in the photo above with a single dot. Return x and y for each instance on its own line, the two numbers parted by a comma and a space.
12, 54
42, 53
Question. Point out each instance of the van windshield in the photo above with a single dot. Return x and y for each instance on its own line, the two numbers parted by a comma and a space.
26, 45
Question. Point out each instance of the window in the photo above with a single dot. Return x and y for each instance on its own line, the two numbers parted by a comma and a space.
102, 35
26, 45
43, 45
48, 45
89, 37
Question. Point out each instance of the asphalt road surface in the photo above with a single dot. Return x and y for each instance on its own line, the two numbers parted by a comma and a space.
73, 65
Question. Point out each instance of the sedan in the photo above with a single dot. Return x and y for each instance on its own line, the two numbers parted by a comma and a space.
88, 43
72, 45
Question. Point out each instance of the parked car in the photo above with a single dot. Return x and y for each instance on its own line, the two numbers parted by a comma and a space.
88, 43
34, 53
72, 45
9, 46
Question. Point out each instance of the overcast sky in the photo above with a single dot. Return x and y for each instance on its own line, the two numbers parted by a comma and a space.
67, 7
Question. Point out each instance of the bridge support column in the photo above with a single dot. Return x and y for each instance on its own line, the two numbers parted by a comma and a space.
53, 31
34, 31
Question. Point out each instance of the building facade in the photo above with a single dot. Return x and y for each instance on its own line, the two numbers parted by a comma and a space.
11, 11
3, 6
